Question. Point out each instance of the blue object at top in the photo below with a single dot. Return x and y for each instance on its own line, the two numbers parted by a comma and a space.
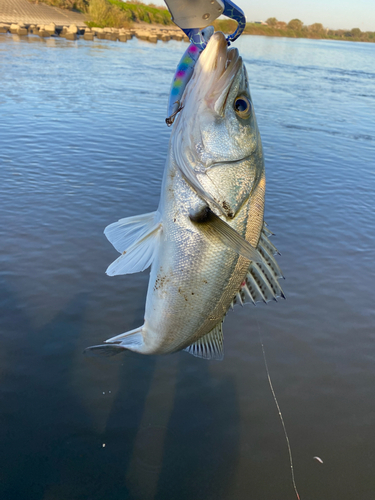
230, 10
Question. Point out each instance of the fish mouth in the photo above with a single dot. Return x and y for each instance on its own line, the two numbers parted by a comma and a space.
219, 67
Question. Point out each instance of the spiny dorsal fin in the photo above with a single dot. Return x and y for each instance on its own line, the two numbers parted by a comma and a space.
261, 282
210, 346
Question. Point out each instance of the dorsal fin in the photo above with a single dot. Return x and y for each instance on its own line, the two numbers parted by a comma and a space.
210, 346
261, 282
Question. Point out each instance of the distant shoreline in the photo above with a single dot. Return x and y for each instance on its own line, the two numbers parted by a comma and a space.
296, 29
114, 14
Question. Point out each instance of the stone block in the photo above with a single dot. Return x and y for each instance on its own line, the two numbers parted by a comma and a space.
88, 36
123, 38
51, 28
152, 38
111, 36
4, 28
22, 32
43, 33
72, 29
142, 35
13, 28
71, 36
165, 38
101, 36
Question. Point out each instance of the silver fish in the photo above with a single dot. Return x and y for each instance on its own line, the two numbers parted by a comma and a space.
207, 243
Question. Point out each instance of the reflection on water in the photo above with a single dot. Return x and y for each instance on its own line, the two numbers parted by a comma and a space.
83, 143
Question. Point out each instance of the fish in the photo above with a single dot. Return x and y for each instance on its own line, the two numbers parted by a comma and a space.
207, 243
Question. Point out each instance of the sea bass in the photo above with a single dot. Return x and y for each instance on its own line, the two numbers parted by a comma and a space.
207, 243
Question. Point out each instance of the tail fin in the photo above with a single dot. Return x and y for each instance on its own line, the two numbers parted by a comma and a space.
132, 340
104, 350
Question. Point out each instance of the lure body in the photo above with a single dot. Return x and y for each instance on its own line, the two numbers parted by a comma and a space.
199, 39
185, 71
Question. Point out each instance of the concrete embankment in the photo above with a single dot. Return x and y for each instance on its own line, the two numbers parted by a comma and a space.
23, 18
22, 11
74, 32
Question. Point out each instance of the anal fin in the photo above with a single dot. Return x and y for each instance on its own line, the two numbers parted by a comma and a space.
210, 346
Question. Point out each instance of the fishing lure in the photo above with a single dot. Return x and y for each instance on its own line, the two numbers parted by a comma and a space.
198, 40
185, 71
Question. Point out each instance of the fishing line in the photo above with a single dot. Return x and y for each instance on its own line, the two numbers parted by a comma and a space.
279, 411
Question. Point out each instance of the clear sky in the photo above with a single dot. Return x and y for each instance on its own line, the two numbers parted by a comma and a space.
334, 14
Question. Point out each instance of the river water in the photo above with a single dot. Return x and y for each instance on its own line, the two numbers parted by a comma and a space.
82, 144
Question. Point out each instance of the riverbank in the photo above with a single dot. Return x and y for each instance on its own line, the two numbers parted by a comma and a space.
149, 20
73, 32
22, 18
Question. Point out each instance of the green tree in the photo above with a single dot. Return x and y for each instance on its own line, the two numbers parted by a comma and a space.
316, 28
271, 21
295, 24
356, 32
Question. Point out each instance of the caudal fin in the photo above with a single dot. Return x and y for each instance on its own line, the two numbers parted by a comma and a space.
132, 340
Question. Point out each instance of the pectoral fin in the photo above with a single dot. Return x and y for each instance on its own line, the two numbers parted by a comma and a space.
137, 239
212, 225
210, 346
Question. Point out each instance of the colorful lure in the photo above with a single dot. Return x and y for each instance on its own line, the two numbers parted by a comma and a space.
184, 72
199, 39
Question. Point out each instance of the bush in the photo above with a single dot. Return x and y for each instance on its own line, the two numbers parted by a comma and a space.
138, 11
104, 14
80, 5
295, 24
271, 21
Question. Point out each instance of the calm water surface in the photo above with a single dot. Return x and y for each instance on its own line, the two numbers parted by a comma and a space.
82, 144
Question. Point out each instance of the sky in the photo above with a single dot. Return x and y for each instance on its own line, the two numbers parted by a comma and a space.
334, 14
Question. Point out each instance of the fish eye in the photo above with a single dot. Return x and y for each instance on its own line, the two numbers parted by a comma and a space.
242, 106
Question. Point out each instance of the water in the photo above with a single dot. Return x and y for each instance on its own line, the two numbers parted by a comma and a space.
83, 143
